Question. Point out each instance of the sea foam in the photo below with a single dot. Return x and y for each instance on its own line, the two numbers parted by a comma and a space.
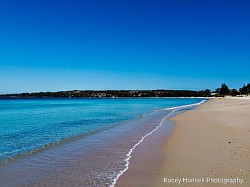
128, 155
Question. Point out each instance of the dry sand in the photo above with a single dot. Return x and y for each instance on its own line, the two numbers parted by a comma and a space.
212, 141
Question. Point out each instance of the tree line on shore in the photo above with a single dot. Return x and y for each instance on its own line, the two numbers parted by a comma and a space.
111, 93
222, 91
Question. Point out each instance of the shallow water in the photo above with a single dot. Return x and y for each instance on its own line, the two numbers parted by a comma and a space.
97, 156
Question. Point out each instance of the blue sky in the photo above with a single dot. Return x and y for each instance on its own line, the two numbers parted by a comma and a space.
51, 45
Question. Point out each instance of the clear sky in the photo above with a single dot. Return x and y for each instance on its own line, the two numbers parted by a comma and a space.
51, 45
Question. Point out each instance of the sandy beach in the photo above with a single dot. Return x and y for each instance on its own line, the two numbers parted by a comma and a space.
208, 147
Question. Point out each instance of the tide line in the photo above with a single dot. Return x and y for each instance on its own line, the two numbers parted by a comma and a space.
128, 155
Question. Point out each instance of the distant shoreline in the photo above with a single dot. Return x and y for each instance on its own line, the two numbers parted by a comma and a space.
111, 94
100, 97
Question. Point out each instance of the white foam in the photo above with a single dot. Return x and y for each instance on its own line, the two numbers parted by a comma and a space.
184, 106
128, 155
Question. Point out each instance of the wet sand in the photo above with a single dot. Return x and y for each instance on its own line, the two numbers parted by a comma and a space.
146, 160
212, 141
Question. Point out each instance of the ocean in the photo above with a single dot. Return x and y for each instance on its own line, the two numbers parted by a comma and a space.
77, 142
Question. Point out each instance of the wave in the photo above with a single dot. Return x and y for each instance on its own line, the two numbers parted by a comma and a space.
128, 155
184, 106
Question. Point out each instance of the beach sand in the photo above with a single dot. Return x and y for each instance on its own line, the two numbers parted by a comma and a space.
212, 141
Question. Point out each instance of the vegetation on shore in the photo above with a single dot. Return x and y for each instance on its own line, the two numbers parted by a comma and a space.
222, 91
113, 93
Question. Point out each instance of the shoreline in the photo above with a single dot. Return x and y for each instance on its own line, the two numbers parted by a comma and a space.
144, 153
210, 141
164, 120
128, 155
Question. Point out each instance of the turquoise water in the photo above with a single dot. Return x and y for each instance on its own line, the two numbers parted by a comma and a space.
28, 125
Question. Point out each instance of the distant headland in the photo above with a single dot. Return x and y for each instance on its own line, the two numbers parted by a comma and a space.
219, 92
